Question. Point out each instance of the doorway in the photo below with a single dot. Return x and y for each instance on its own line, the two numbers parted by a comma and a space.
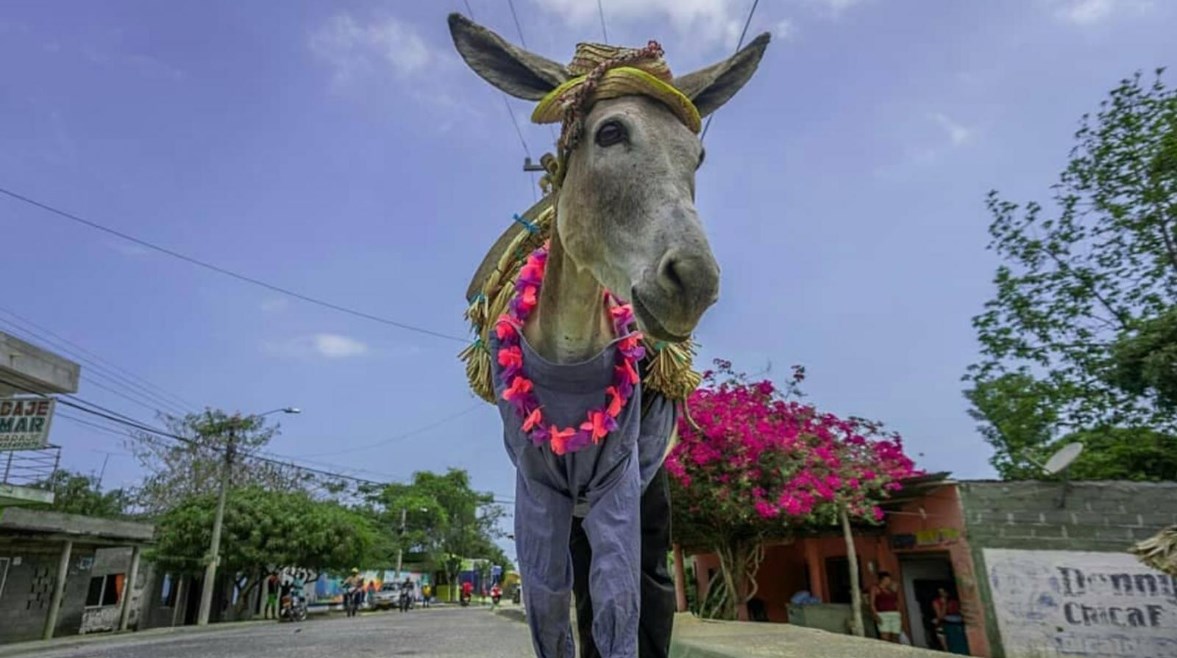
923, 576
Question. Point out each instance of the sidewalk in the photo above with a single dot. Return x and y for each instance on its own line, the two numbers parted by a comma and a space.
33, 647
697, 638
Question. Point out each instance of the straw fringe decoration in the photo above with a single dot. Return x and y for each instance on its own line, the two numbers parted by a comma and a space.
1160, 551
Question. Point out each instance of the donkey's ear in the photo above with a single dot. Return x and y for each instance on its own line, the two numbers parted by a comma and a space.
713, 86
513, 70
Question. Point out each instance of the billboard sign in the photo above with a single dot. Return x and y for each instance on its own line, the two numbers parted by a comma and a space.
24, 423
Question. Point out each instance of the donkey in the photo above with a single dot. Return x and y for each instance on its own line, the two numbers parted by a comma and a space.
627, 250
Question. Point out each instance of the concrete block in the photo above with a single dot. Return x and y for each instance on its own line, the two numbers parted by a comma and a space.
1086, 518
1114, 534
1131, 520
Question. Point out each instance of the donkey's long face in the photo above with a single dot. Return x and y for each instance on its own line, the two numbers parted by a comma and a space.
626, 209
627, 214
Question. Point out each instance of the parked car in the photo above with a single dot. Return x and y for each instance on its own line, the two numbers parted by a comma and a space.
387, 598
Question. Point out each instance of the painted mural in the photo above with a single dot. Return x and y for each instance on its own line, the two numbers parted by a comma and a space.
1072, 603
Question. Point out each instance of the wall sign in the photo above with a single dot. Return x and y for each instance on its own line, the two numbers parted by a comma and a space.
1072, 603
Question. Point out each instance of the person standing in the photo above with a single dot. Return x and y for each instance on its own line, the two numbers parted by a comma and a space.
426, 592
884, 604
949, 623
270, 611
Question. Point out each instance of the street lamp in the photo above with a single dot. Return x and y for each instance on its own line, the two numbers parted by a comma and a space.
214, 551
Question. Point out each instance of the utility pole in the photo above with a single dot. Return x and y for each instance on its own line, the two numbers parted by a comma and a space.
214, 551
400, 549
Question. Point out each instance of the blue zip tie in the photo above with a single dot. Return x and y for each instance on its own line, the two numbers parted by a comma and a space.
530, 226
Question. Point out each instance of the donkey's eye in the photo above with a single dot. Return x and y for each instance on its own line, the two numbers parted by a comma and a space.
610, 133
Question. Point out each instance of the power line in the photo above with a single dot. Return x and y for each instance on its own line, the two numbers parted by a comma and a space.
601, 11
398, 437
103, 367
518, 27
227, 272
739, 44
120, 419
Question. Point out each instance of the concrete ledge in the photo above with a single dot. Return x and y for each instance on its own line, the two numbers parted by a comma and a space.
14, 495
697, 638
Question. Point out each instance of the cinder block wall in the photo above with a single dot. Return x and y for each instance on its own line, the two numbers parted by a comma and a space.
1095, 516
29, 587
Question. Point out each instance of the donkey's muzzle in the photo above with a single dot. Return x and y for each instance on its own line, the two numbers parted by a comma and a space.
682, 288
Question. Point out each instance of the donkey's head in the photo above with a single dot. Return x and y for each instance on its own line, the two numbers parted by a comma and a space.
626, 210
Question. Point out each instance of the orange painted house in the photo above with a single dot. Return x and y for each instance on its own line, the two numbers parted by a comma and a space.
922, 544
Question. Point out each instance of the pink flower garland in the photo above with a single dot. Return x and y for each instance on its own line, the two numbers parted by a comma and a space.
520, 391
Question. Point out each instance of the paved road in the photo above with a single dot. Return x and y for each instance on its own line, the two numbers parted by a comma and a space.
444, 633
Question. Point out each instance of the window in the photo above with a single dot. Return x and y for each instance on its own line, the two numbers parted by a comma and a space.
105, 590
838, 579
168, 593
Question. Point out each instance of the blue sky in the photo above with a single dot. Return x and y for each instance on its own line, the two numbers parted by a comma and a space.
342, 150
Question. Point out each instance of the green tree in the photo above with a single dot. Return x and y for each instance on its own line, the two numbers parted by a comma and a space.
1092, 270
445, 518
1120, 453
264, 530
1015, 415
179, 469
75, 493
1144, 360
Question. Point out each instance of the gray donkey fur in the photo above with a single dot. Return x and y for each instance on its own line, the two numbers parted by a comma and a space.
625, 221
626, 217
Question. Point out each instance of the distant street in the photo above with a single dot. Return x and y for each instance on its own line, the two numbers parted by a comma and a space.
443, 633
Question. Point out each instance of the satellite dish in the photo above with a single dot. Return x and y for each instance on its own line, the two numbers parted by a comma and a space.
1063, 458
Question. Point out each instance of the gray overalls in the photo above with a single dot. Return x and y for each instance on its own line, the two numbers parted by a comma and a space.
603, 483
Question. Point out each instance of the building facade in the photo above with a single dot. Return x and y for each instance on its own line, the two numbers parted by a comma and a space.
1039, 568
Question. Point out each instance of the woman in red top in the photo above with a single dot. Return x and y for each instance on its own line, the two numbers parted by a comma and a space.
884, 604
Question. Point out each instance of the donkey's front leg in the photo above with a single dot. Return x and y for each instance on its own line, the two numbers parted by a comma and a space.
543, 523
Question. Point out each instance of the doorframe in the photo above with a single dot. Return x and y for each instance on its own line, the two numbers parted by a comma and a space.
5, 563
910, 571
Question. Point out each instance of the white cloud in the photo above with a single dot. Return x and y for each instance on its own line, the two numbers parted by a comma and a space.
334, 346
784, 29
1093, 12
708, 22
833, 8
322, 345
957, 133
356, 49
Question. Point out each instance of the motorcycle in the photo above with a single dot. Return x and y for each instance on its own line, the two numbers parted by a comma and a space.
351, 601
292, 609
464, 599
406, 600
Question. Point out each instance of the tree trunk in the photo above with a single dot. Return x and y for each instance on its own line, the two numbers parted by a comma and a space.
680, 581
739, 562
856, 626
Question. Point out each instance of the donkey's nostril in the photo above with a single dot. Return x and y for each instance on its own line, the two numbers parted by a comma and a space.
671, 275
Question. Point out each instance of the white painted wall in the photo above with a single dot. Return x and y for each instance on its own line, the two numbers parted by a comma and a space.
1073, 603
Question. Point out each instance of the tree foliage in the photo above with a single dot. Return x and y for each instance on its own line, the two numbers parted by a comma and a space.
1077, 278
444, 517
1015, 415
264, 530
75, 493
178, 470
753, 464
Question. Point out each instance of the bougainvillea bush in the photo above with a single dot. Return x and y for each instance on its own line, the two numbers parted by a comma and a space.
755, 462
